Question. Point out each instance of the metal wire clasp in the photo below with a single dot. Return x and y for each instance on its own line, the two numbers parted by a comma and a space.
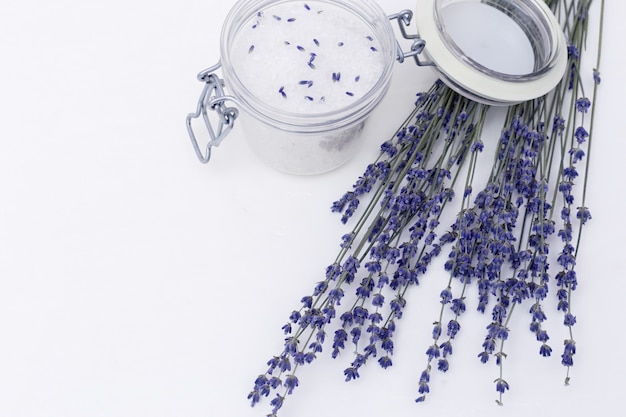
212, 98
404, 20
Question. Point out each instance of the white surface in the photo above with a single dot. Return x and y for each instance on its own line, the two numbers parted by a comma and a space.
135, 281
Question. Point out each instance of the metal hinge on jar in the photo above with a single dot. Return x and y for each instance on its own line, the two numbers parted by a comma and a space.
212, 98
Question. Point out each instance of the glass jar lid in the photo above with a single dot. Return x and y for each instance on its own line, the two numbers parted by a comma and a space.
498, 52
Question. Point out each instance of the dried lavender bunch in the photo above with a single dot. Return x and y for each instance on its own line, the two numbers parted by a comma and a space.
500, 240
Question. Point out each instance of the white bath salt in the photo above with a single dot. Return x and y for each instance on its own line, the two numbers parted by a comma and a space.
307, 57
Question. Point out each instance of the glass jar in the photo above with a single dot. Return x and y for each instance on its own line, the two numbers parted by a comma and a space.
306, 74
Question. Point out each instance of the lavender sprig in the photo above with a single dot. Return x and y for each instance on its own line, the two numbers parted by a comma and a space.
575, 146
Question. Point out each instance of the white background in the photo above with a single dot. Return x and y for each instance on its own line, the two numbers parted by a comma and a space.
135, 281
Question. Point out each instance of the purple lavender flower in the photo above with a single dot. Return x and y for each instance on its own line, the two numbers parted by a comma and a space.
583, 104
277, 403
596, 76
433, 351
577, 154
567, 358
583, 214
581, 134
501, 385
569, 319
385, 362
545, 350
291, 382
572, 52
453, 328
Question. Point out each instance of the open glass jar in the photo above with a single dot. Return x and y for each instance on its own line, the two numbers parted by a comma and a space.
306, 74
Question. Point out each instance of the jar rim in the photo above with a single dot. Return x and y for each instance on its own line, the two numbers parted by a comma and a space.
368, 11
